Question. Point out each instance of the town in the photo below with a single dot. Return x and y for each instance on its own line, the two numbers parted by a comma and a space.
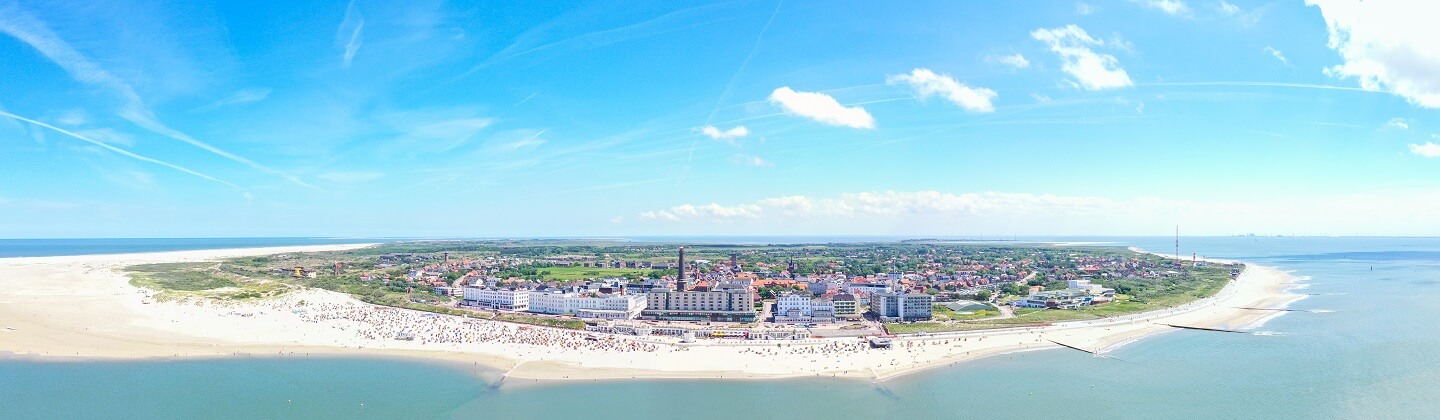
757, 292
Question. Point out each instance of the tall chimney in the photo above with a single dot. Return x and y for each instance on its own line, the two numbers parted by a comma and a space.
680, 281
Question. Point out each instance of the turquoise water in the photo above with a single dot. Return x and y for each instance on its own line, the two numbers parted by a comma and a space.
1371, 351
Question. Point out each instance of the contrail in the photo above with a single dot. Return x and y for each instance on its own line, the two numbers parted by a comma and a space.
729, 86
19, 24
119, 150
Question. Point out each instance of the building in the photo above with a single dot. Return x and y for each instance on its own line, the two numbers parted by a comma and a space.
845, 305
902, 306
868, 288
608, 306
550, 300
799, 307
723, 303
1059, 299
504, 298
1079, 293
599, 305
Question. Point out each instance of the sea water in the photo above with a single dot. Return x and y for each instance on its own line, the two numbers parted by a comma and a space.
1365, 345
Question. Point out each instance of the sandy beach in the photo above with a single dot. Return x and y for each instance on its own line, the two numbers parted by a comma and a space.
83, 307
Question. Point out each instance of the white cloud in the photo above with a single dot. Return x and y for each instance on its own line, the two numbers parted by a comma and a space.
350, 34
1083, 9
1429, 149
927, 83
351, 177
733, 133
748, 160
1091, 70
1015, 60
710, 212
1140, 109
821, 107
1040, 98
1170, 7
1228, 8
1278, 55
1386, 46
1388, 212
1397, 123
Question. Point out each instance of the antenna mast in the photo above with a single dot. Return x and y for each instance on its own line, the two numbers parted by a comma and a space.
1177, 242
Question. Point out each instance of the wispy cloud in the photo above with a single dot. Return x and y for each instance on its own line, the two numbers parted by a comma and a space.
1015, 60
927, 83
20, 24
1229, 9
821, 107
118, 150
1278, 55
350, 35
243, 96
107, 135
1091, 70
346, 177
1170, 7
537, 41
1082, 8
533, 140
728, 136
748, 160
1397, 123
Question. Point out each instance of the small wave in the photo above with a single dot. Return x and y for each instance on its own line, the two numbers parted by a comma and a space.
1267, 333
1321, 311
1337, 294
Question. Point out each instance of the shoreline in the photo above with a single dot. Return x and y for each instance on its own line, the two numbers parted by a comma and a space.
67, 308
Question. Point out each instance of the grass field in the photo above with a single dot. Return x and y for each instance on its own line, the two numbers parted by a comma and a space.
583, 273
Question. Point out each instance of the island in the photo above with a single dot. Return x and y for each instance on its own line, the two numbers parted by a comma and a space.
590, 309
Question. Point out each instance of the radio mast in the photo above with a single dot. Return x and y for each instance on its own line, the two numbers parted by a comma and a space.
1177, 243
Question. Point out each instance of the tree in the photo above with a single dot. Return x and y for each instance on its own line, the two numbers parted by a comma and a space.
983, 295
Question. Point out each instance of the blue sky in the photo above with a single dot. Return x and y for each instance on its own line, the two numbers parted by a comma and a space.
750, 117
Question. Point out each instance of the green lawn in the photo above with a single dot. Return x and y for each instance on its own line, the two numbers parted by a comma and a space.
583, 273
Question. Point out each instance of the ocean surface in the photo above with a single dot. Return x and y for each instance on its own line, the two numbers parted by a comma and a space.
1368, 346
82, 246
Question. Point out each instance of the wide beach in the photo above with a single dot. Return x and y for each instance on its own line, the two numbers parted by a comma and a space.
83, 307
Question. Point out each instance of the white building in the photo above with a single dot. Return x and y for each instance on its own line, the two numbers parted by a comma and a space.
869, 289
550, 301
505, 298
902, 306
608, 306
587, 305
798, 307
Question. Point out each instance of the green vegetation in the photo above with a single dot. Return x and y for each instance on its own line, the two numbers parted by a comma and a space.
582, 273
208, 280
